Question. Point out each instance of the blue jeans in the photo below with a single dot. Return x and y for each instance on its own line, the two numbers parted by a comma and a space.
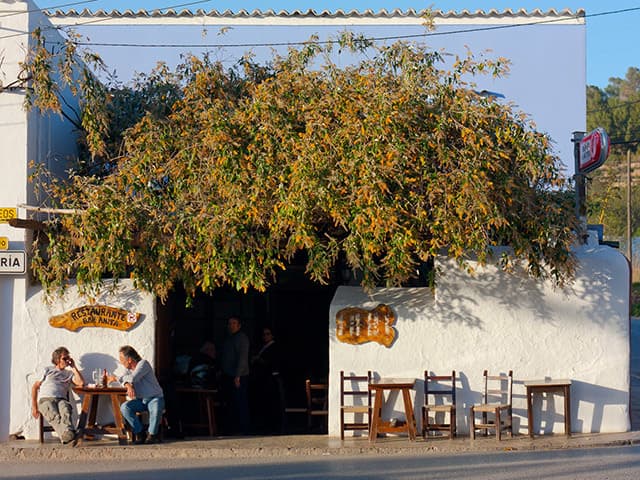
153, 405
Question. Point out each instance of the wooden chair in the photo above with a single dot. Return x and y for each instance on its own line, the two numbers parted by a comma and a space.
317, 401
356, 388
496, 400
43, 428
439, 399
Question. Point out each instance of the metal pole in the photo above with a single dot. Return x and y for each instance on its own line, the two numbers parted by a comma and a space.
581, 207
629, 237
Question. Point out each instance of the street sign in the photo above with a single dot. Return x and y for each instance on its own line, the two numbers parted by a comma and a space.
594, 150
7, 213
4, 243
12, 261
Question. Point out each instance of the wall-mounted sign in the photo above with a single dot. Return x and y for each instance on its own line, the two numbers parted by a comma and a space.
357, 325
12, 262
4, 243
7, 213
594, 150
95, 316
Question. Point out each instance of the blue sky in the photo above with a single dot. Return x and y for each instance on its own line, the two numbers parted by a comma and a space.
612, 39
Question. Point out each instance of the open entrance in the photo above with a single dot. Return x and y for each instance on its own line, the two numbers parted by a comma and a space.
295, 308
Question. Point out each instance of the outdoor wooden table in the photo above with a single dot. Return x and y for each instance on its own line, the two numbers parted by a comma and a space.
87, 420
206, 402
402, 385
549, 386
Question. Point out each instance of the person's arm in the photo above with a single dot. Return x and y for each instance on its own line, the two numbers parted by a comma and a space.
34, 399
77, 379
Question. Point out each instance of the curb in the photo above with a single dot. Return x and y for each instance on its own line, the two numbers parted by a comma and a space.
300, 446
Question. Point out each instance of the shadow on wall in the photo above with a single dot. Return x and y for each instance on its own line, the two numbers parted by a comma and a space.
599, 397
595, 284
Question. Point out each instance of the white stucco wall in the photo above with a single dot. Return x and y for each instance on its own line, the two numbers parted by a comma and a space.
503, 322
34, 340
24, 137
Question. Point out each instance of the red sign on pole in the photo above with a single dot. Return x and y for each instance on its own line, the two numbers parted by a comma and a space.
594, 150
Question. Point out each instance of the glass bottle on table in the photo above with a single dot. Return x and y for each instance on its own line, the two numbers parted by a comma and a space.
105, 379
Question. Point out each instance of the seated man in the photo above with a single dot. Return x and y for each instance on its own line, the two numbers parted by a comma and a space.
53, 389
145, 395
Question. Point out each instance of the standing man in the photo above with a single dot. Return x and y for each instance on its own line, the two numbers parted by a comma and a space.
235, 370
53, 387
145, 395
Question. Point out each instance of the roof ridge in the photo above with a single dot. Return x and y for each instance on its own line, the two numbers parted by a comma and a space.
382, 13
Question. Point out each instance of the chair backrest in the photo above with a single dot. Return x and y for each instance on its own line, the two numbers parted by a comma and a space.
498, 388
355, 388
440, 389
317, 397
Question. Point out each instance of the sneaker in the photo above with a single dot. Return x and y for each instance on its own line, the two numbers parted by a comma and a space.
68, 436
153, 439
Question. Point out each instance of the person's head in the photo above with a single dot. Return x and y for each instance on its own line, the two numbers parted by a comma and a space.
234, 325
128, 356
208, 348
60, 357
267, 335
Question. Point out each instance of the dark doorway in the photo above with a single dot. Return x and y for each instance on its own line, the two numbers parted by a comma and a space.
296, 308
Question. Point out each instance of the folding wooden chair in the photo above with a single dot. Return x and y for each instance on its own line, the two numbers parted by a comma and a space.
440, 400
356, 389
496, 400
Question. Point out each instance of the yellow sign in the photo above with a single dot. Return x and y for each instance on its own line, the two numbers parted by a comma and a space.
4, 243
7, 213
357, 325
95, 316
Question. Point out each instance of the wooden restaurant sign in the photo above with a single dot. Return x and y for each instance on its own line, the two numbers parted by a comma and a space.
95, 316
356, 325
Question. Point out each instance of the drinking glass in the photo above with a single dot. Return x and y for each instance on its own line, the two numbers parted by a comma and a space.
97, 378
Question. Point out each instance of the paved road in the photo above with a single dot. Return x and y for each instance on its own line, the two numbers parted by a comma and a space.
611, 463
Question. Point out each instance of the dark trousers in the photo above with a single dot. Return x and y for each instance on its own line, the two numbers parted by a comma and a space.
237, 400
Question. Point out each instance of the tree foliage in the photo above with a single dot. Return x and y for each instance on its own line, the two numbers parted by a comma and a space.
220, 176
617, 109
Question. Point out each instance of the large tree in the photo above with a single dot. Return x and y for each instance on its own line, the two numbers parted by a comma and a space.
229, 173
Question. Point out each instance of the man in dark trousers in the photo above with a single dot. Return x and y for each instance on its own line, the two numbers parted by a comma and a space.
235, 370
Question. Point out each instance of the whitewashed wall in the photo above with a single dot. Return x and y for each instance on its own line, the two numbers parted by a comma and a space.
34, 340
501, 322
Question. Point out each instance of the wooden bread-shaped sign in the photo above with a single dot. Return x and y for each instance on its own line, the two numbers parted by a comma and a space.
357, 325
95, 316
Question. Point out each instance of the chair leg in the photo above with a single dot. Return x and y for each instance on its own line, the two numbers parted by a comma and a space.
498, 425
452, 424
41, 427
341, 424
425, 423
472, 423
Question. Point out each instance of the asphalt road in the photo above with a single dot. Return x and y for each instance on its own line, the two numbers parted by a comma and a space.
611, 463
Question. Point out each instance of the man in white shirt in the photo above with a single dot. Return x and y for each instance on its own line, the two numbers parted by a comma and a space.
145, 395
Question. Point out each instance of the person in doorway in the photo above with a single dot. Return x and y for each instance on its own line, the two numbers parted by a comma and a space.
266, 385
53, 392
145, 395
202, 366
235, 371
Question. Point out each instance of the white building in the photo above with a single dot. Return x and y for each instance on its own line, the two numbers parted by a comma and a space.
491, 320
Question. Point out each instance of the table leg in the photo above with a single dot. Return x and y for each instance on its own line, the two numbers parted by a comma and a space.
377, 415
530, 412
116, 400
93, 411
567, 410
211, 415
84, 413
408, 411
